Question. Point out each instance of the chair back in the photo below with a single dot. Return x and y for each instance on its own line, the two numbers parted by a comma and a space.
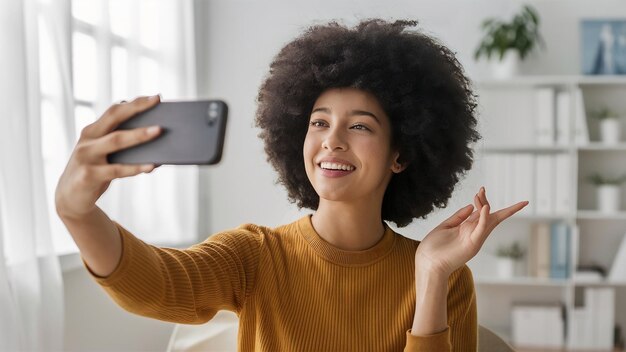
488, 341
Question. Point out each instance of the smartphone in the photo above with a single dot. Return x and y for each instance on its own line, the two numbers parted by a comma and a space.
192, 133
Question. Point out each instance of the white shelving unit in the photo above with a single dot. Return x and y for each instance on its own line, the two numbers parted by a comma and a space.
506, 122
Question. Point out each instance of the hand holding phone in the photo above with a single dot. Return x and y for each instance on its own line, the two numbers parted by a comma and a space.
192, 133
87, 173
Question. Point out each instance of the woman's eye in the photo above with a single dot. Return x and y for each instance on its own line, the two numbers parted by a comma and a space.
360, 127
317, 123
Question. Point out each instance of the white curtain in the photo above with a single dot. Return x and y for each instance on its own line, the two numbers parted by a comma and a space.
31, 291
162, 207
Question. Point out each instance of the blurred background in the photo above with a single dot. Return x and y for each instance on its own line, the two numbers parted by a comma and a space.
550, 79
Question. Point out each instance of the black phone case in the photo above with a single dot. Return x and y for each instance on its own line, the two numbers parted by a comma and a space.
192, 133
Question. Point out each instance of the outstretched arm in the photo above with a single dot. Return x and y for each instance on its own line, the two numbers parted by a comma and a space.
88, 174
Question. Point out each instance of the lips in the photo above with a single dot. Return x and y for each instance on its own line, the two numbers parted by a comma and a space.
334, 167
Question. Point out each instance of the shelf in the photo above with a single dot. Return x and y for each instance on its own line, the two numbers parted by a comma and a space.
598, 146
591, 147
510, 125
596, 215
523, 149
521, 281
543, 282
599, 283
554, 80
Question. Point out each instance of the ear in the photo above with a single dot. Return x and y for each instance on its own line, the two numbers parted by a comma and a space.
397, 167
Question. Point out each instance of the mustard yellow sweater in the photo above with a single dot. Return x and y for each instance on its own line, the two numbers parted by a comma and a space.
292, 290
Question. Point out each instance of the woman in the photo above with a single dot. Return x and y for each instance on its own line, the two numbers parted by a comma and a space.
363, 125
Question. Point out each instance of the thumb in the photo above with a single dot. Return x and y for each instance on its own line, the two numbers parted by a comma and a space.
457, 218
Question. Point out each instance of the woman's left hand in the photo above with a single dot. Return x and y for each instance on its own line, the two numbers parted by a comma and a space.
459, 238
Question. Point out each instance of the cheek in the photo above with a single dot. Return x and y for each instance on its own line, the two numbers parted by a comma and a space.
308, 152
379, 152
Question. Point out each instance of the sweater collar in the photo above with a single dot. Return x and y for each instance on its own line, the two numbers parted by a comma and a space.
343, 257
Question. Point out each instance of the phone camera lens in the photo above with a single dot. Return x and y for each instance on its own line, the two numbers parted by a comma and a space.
212, 114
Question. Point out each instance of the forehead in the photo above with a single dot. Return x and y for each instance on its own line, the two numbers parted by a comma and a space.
338, 99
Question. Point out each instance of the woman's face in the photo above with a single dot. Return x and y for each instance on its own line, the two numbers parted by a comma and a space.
347, 149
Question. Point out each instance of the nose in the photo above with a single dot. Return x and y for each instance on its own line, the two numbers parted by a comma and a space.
334, 140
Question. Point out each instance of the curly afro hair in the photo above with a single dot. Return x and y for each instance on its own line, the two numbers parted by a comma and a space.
418, 82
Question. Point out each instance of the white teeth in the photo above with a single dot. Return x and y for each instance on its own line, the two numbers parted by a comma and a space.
336, 166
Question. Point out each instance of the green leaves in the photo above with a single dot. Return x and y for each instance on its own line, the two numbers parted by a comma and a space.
600, 180
513, 251
521, 34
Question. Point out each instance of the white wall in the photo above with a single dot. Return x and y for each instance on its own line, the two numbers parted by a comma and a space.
239, 38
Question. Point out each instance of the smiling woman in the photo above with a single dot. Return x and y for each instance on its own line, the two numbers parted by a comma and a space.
376, 126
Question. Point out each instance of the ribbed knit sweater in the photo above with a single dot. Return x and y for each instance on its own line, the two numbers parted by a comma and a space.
292, 290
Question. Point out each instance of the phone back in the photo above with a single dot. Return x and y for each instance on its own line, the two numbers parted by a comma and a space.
192, 133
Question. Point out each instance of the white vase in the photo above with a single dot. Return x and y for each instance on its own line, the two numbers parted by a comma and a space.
608, 198
507, 67
610, 130
506, 267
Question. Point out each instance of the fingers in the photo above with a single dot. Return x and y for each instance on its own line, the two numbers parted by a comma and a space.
458, 217
505, 213
107, 173
117, 114
478, 205
482, 231
119, 140
482, 196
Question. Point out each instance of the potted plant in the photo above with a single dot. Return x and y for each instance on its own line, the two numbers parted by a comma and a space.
608, 191
506, 43
509, 259
609, 125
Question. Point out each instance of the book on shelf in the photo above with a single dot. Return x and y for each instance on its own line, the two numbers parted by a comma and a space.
592, 325
524, 169
544, 183
549, 250
562, 182
563, 117
539, 251
559, 250
578, 333
581, 130
544, 116
542, 179
618, 269
538, 325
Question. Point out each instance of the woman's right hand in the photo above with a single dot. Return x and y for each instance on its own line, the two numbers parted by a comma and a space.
87, 173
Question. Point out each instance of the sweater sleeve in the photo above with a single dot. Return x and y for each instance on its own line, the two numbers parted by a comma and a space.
185, 286
462, 332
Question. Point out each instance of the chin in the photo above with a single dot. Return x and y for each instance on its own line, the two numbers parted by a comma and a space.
332, 195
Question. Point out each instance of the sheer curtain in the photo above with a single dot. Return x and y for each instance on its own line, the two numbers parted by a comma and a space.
31, 291
40, 118
160, 207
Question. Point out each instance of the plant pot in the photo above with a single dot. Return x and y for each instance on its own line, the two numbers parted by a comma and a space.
507, 67
506, 267
610, 130
608, 197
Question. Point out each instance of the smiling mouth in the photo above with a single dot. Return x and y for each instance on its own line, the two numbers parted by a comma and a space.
336, 166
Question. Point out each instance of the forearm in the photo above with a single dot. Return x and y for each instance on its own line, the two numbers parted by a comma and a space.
431, 291
98, 240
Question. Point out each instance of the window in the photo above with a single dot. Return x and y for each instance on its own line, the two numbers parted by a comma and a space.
119, 50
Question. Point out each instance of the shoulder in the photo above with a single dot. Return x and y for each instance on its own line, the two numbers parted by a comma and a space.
401, 241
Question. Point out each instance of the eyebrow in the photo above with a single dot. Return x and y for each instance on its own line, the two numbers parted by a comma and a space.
352, 113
